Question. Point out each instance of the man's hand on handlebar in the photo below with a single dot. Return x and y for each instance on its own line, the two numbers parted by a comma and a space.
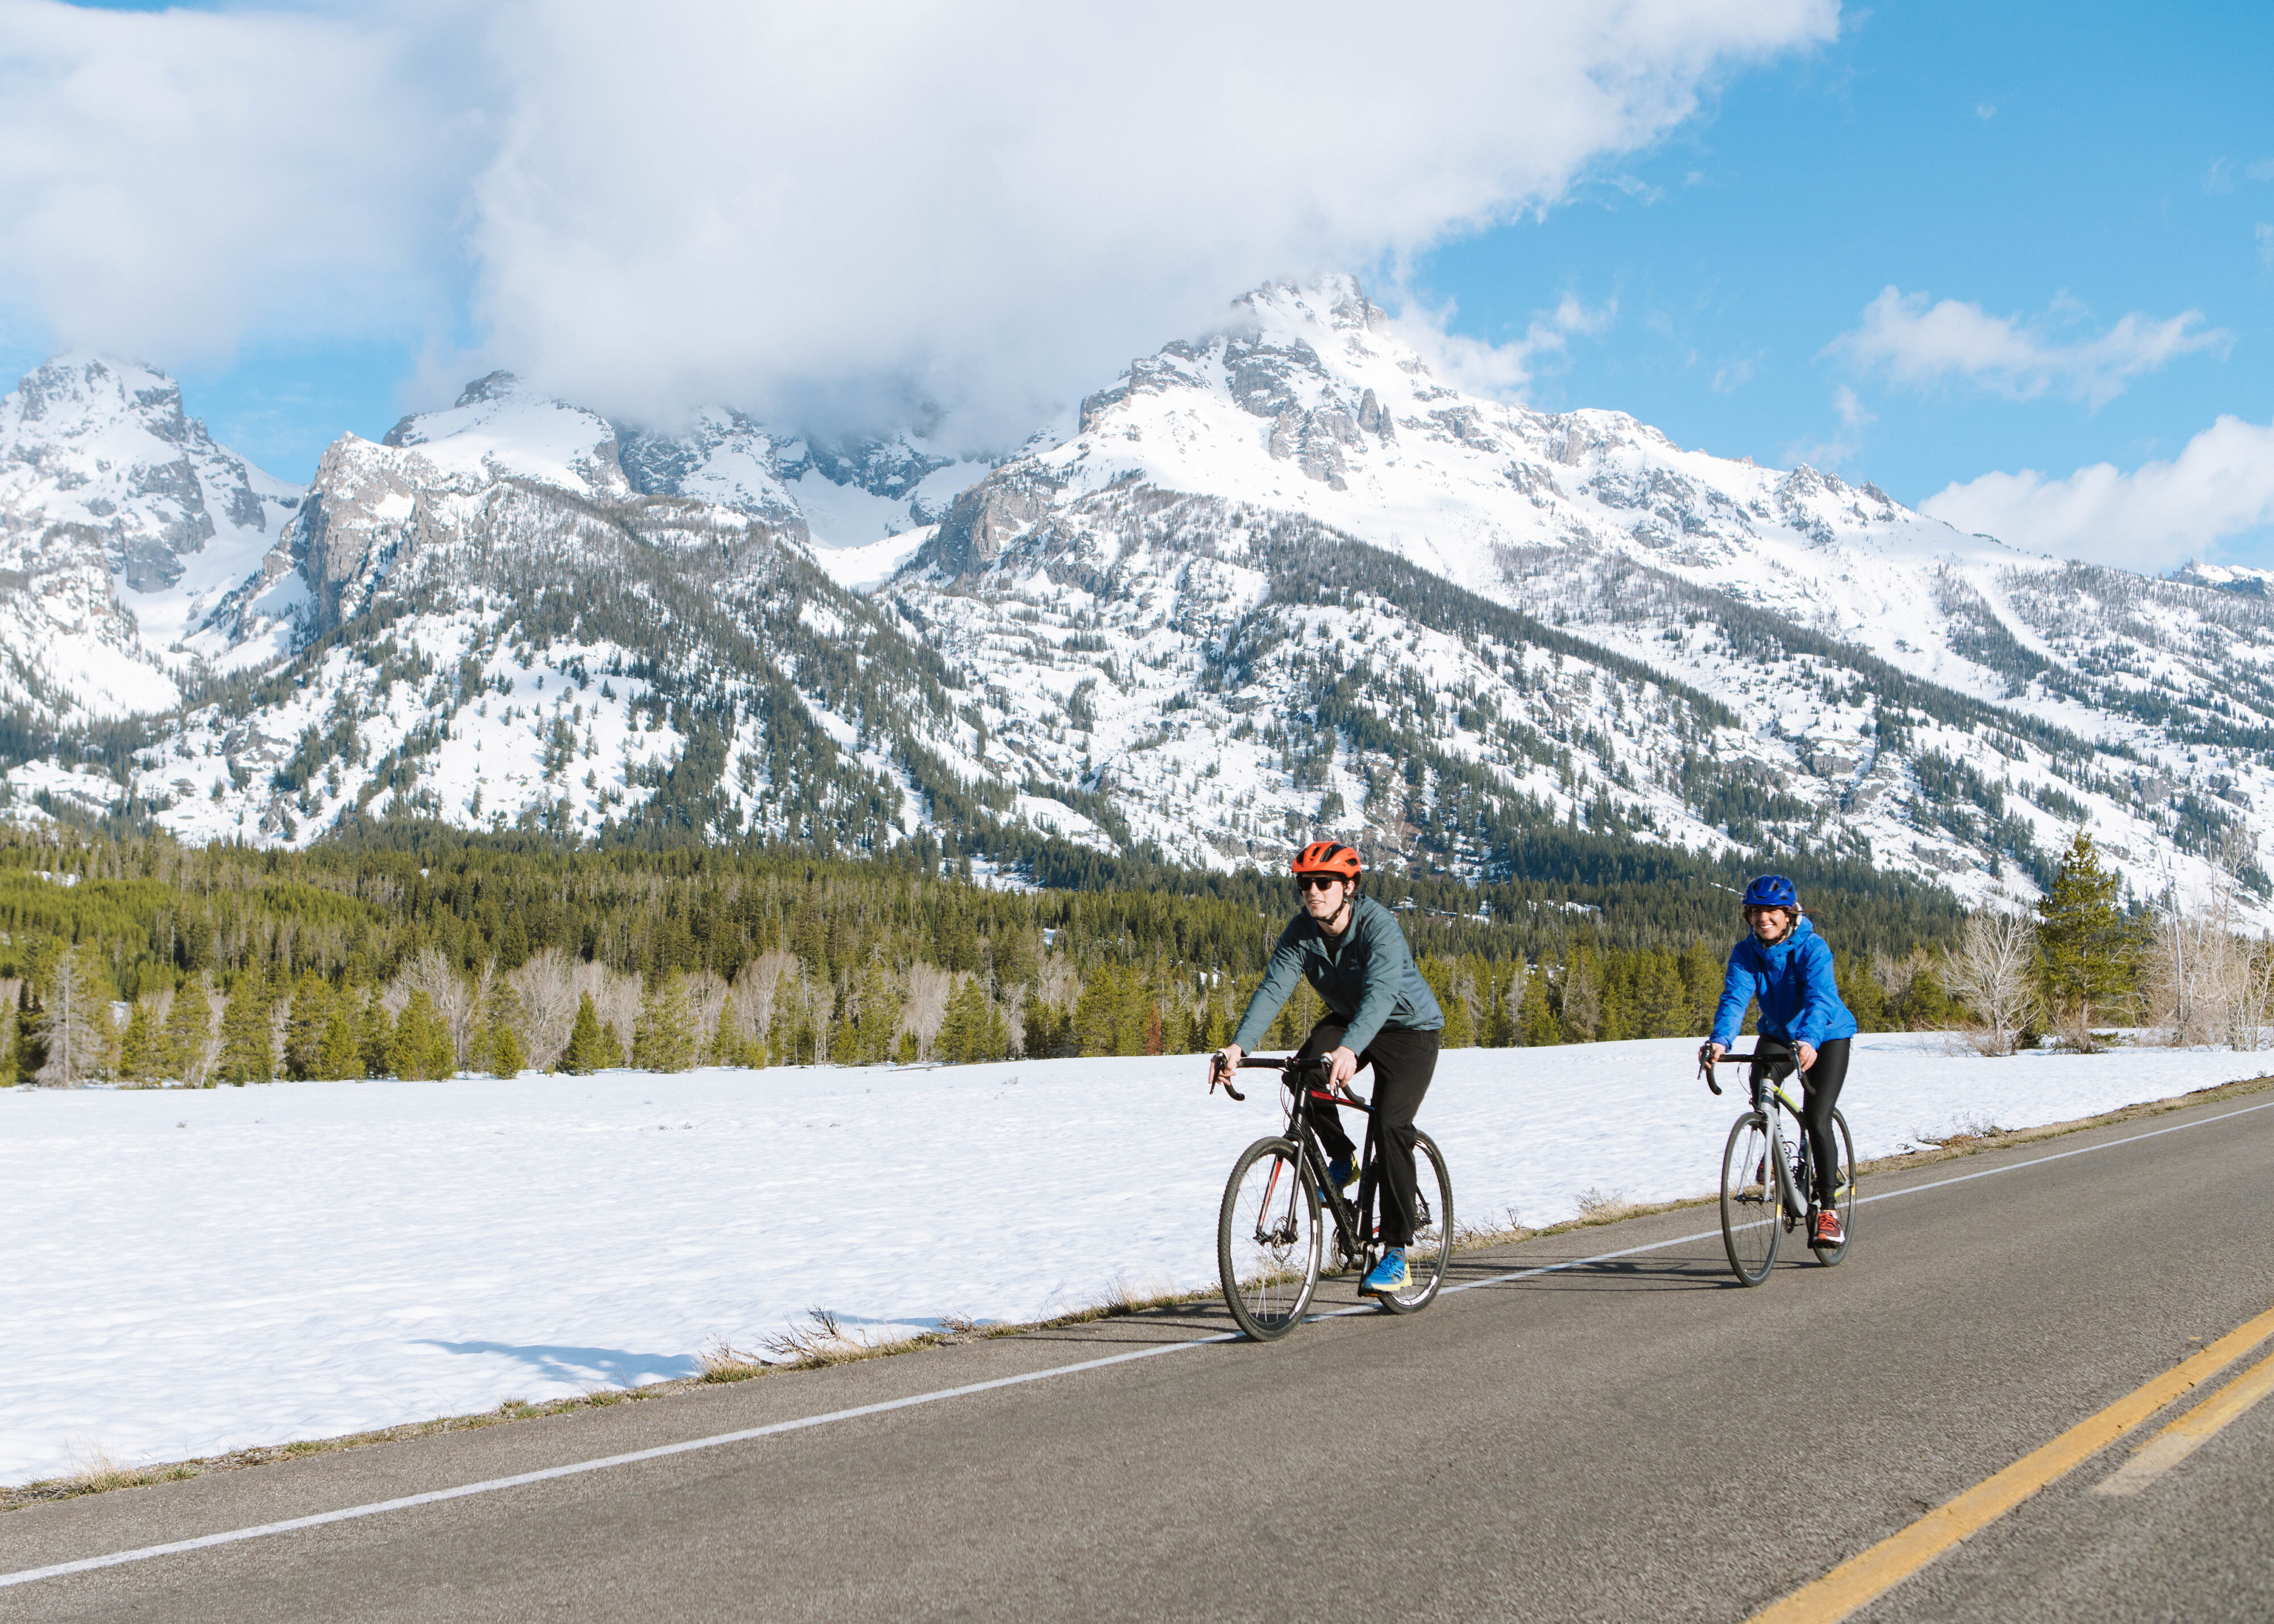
1228, 1057
1342, 1066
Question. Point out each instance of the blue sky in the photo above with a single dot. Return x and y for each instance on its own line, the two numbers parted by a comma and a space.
2066, 165
2076, 208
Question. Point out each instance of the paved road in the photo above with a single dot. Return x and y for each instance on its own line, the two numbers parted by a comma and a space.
1633, 1438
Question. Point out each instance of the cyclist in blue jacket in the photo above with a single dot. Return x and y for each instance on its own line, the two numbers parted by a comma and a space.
1788, 966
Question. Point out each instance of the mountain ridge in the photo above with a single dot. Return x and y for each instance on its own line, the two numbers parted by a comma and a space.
1280, 578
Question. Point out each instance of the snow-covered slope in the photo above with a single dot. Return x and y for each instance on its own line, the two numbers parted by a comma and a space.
132, 548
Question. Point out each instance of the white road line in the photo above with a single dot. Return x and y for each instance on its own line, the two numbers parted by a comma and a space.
719, 1440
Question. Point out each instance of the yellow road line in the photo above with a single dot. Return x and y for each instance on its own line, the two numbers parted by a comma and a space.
1864, 1578
2183, 1437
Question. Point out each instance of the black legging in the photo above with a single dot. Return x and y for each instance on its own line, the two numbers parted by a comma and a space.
1820, 1093
1403, 1063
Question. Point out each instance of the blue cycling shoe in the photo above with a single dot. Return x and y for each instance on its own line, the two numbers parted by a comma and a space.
1389, 1276
1342, 1173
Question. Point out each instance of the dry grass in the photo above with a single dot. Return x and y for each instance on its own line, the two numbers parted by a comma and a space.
724, 1364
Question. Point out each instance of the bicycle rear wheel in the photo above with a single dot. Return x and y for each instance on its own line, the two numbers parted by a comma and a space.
1830, 1256
1431, 1250
1751, 1206
1268, 1239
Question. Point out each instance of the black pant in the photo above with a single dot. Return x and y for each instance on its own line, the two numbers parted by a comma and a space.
1820, 1093
1403, 1063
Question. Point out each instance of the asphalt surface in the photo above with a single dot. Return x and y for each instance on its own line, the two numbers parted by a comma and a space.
1639, 1437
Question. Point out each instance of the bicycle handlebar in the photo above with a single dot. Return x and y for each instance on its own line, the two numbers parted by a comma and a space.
1708, 1061
1280, 1063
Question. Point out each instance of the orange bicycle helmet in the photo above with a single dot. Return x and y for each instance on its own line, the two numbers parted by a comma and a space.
1327, 857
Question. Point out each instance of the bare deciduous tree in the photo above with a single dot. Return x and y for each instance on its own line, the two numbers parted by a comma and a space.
929, 987
432, 973
1994, 970
548, 1005
2207, 982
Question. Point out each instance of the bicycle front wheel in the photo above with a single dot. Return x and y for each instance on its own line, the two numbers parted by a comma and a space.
1431, 1249
1751, 1206
1268, 1239
1830, 1256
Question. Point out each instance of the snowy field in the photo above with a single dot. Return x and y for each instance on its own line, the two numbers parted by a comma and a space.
188, 1271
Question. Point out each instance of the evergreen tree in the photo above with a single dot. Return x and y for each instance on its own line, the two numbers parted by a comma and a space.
248, 1053
375, 1037
588, 1050
338, 1054
1536, 1024
2090, 951
142, 1051
1583, 995
1096, 1014
188, 1032
1703, 973
727, 1046
1660, 1000
75, 1027
305, 1026
663, 1038
29, 1052
422, 1046
495, 1045
963, 1029
1048, 1031
1497, 1029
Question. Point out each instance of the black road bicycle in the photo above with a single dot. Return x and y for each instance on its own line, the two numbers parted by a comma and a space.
1269, 1242
1768, 1187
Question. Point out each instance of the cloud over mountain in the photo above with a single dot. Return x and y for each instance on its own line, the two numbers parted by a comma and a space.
823, 212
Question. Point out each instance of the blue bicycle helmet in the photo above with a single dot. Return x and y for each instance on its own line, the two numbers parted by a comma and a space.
1771, 890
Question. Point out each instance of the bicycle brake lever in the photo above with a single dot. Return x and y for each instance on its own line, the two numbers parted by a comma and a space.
1218, 1072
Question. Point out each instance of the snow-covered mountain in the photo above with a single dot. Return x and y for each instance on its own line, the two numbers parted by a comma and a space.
1282, 579
1251, 537
133, 550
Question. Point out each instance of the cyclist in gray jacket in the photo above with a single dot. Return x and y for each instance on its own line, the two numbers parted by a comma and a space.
1380, 1012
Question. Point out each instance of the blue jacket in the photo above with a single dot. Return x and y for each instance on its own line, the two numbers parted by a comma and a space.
1800, 999
1367, 978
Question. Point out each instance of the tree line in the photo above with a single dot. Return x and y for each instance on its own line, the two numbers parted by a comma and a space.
144, 961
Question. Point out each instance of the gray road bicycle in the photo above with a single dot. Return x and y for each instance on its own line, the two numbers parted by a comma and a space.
1766, 1184
1269, 1240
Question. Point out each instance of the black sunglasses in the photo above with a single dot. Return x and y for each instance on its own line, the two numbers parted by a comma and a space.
1317, 882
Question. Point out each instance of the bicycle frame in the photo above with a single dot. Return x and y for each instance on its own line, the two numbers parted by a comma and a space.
1768, 1094
1308, 1092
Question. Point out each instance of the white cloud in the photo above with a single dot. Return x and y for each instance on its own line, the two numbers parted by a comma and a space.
1830, 454
2265, 244
2219, 178
1916, 342
2262, 168
2221, 485
1985, 109
169, 182
1504, 371
800, 208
